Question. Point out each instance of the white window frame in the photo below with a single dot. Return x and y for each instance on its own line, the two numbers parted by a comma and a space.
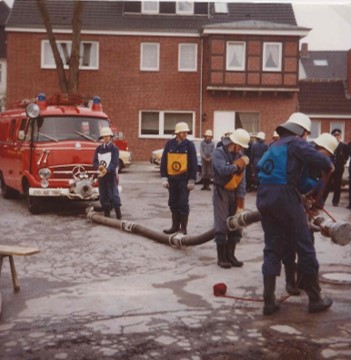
242, 45
161, 120
142, 55
181, 11
145, 9
181, 53
45, 47
265, 54
318, 125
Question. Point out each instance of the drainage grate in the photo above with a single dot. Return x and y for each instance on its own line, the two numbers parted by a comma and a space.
336, 277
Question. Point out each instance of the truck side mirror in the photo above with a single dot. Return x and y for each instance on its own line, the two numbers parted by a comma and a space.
21, 135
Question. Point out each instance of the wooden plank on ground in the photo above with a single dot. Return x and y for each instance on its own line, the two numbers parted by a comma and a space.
7, 250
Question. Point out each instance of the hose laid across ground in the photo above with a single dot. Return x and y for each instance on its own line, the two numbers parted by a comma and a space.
176, 240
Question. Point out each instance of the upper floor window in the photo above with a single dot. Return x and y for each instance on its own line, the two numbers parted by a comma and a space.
315, 129
272, 56
236, 53
150, 57
187, 57
185, 7
88, 54
150, 7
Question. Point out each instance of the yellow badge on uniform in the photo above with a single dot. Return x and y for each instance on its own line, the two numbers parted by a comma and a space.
177, 163
234, 182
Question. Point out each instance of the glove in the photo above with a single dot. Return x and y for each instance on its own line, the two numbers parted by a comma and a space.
241, 163
240, 204
102, 171
164, 182
191, 185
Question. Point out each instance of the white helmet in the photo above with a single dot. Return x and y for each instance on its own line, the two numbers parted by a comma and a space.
208, 133
327, 141
105, 131
275, 134
240, 137
300, 119
181, 127
261, 135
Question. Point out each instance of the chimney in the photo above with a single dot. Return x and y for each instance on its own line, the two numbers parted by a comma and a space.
304, 51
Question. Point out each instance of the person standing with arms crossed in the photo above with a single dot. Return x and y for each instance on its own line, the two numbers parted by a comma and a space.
178, 174
206, 149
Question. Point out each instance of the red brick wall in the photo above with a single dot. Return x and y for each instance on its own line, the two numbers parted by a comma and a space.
125, 90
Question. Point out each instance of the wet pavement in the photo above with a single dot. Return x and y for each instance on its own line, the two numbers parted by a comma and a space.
95, 292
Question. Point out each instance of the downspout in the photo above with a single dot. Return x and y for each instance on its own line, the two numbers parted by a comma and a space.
201, 80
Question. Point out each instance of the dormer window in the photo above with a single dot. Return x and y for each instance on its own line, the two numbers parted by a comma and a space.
221, 8
320, 62
185, 7
150, 7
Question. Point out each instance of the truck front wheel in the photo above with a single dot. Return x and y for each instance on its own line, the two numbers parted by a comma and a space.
34, 204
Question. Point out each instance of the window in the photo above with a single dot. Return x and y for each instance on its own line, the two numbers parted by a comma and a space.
321, 62
272, 57
236, 53
150, 57
247, 121
162, 123
150, 7
89, 54
221, 8
185, 7
315, 129
187, 57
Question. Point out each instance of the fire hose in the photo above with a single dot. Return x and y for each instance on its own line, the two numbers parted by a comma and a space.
176, 240
338, 231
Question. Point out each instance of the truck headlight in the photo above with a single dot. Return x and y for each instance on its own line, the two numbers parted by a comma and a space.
44, 173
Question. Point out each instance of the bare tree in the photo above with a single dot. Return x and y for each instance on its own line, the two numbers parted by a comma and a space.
68, 81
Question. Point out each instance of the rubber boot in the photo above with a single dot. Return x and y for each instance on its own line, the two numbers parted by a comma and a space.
184, 223
231, 245
270, 306
107, 211
223, 261
316, 303
118, 213
207, 184
290, 276
175, 224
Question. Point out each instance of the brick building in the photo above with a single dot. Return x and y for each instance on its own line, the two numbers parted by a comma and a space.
4, 14
325, 90
213, 65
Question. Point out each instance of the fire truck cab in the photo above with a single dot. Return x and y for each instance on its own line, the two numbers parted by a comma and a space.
47, 147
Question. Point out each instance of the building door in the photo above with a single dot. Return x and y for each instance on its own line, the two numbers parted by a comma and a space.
222, 121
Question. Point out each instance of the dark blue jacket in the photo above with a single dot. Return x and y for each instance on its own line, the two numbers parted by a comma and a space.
113, 166
184, 147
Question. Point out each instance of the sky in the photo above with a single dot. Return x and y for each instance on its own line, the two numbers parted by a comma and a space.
329, 21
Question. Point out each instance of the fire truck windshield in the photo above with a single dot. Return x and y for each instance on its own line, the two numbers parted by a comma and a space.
60, 128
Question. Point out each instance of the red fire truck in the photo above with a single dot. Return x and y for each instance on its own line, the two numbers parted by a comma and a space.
47, 147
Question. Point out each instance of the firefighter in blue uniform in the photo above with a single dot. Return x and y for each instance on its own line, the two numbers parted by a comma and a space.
178, 174
229, 189
106, 160
284, 219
